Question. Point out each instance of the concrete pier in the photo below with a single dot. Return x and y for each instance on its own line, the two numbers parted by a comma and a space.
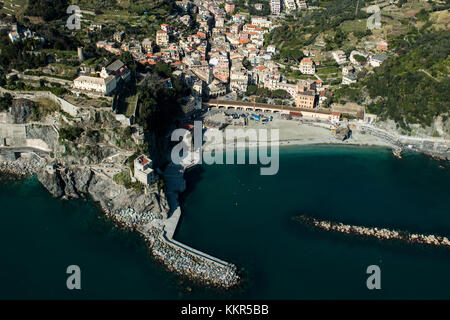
178, 256
170, 225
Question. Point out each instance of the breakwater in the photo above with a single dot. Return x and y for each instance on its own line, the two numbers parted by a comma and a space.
178, 257
189, 262
376, 233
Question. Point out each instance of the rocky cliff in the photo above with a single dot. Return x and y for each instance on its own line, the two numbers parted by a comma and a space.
21, 110
126, 206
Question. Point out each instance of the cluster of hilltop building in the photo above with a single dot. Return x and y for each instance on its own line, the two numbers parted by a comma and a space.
225, 54
214, 60
351, 66
19, 33
276, 6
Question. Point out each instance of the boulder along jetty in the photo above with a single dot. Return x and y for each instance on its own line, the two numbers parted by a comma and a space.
376, 233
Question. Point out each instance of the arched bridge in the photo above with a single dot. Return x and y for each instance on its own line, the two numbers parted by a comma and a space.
259, 107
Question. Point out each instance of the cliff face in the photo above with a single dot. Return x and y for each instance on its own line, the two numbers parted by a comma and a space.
44, 132
126, 206
21, 110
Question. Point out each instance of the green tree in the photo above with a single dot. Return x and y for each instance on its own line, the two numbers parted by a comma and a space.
359, 58
5, 102
251, 90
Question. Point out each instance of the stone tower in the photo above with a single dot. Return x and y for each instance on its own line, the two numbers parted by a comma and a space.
80, 54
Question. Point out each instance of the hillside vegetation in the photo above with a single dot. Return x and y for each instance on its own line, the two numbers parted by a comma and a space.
304, 28
130, 6
412, 87
415, 86
47, 9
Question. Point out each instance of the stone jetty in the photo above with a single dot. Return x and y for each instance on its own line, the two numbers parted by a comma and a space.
153, 213
377, 233
189, 262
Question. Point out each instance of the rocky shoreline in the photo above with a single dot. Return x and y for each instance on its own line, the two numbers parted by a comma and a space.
135, 211
23, 166
127, 209
127, 206
375, 233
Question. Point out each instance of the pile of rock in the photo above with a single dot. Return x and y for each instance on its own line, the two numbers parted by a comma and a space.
190, 265
131, 219
22, 166
381, 234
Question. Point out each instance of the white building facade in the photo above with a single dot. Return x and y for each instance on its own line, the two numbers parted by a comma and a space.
143, 171
101, 85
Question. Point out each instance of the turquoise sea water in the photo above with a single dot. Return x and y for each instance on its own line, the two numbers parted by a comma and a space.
237, 215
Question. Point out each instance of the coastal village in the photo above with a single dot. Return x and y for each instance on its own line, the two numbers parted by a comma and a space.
76, 117
220, 53
225, 56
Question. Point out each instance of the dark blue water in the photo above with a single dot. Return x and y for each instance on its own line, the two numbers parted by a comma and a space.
241, 216
41, 236
235, 214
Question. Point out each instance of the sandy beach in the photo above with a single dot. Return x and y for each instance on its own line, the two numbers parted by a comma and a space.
293, 132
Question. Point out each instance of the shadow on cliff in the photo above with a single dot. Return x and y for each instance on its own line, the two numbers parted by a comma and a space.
192, 176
